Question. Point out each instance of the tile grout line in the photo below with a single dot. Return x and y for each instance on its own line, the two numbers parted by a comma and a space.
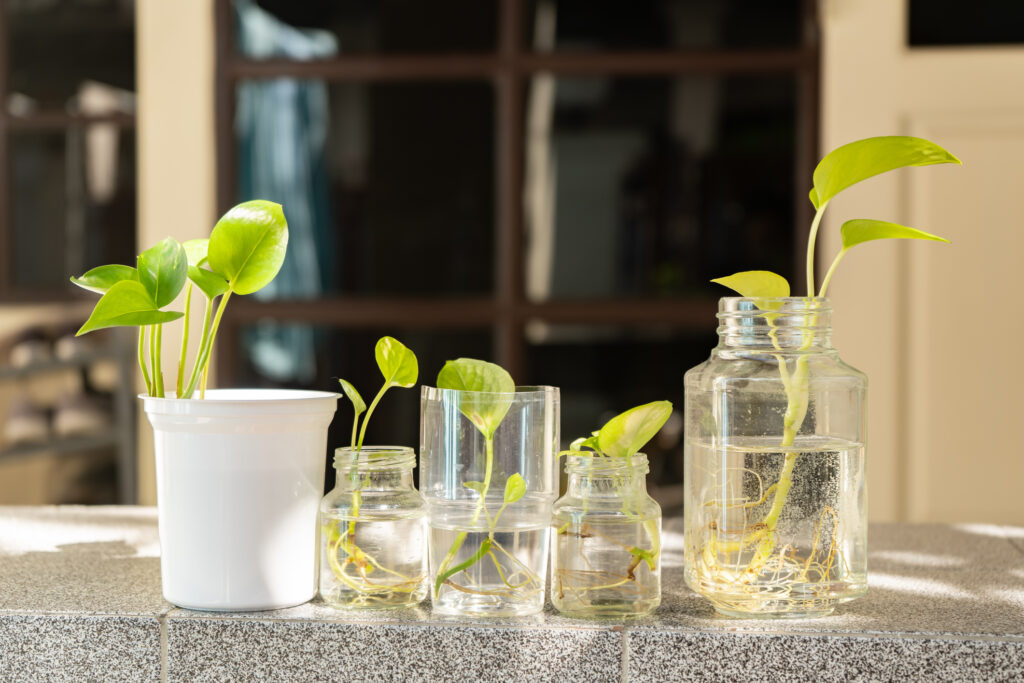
624, 674
163, 649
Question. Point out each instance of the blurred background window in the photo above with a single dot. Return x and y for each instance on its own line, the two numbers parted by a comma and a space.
949, 22
549, 184
67, 204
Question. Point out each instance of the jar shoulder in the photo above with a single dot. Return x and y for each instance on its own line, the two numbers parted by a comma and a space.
339, 501
764, 366
638, 508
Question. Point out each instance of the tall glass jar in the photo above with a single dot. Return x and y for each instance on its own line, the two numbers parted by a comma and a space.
775, 489
489, 499
606, 544
373, 549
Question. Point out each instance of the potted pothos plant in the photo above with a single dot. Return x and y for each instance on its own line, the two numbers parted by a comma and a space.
239, 471
775, 489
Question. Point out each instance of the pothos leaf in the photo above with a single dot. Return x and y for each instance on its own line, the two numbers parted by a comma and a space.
247, 245
163, 270
353, 396
195, 250
397, 363
213, 285
491, 381
861, 230
126, 304
756, 284
863, 159
102, 278
515, 488
477, 486
626, 433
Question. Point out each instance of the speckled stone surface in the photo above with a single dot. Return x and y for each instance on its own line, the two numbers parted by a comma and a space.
80, 600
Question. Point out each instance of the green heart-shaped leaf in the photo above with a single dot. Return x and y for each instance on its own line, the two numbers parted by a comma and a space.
163, 270
626, 433
756, 284
248, 244
861, 230
101, 279
477, 486
467, 374
213, 285
126, 304
196, 250
353, 396
515, 488
863, 159
397, 363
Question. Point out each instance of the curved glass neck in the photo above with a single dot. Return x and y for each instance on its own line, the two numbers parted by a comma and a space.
782, 325
374, 467
601, 476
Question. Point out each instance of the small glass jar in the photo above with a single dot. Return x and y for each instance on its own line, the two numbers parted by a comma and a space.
373, 550
606, 539
489, 500
775, 492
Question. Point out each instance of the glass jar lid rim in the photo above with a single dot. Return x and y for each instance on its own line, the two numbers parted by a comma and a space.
524, 391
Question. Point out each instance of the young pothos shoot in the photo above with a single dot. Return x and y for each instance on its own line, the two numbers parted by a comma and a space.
244, 253
399, 367
840, 169
488, 392
622, 437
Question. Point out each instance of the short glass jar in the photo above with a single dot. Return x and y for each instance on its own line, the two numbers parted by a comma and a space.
775, 489
373, 550
606, 539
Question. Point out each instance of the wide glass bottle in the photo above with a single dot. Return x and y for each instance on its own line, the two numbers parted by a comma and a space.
775, 488
373, 550
606, 539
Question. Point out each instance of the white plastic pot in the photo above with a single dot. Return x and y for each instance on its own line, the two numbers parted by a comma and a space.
240, 475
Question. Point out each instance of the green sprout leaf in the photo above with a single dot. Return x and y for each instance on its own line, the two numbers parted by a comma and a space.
163, 270
861, 230
467, 374
101, 279
126, 304
247, 246
477, 486
397, 363
353, 396
515, 488
213, 285
863, 159
195, 251
625, 434
756, 284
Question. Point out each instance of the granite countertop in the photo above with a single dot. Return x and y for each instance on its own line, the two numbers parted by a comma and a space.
80, 599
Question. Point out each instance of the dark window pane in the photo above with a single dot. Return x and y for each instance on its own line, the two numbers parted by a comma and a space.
949, 22
72, 203
653, 186
348, 354
388, 187
603, 370
267, 28
56, 46
582, 25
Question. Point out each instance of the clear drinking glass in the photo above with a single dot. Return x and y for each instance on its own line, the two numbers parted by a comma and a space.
373, 549
775, 487
606, 547
489, 530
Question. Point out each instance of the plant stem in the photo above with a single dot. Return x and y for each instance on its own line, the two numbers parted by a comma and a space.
142, 360
202, 345
205, 357
184, 342
831, 272
811, 239
158, 368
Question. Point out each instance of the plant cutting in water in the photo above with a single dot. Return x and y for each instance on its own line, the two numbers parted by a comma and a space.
489, 389
754, 555
243, 254
598, 566
354, 568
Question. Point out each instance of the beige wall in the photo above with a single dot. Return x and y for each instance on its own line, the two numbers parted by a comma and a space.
174, 53
933, 326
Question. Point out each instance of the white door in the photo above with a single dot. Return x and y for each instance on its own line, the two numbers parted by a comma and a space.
939, 329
